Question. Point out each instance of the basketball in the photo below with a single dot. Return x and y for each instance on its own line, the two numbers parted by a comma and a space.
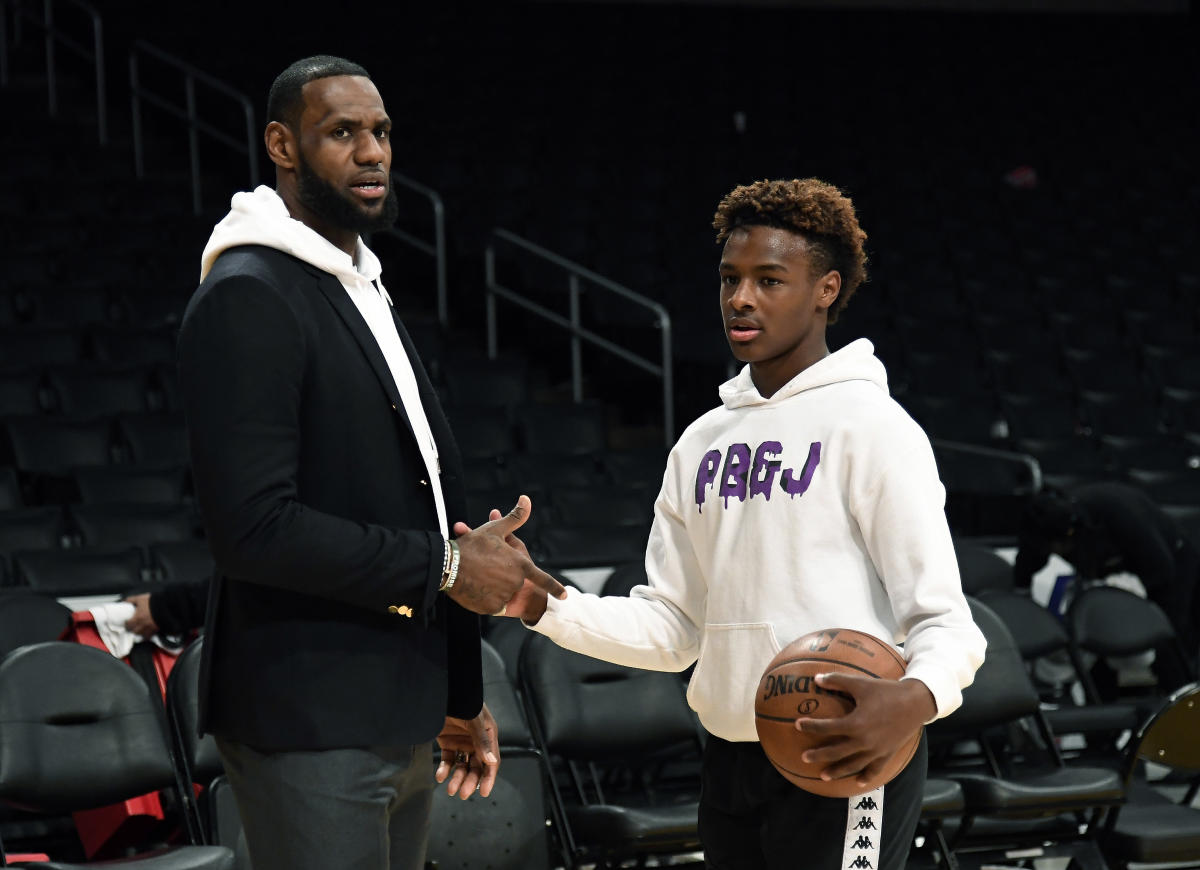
788, 691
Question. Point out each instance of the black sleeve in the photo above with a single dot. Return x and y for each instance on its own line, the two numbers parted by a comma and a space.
1134, 526
178, 608
243, 351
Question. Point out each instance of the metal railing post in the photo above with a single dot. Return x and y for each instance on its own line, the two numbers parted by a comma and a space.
139, 157
668, 379
1030, 462
189, 114
101, 81
4, 43
489, 267
576, 345
189, 89
437, 249
439, 237
52, 37
577, 276
51, 66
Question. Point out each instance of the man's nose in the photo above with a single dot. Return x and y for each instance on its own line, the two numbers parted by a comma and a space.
370, 150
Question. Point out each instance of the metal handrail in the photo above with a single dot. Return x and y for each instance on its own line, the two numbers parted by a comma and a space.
1035, 468
436, 249
55, 36
187, 112
571, 323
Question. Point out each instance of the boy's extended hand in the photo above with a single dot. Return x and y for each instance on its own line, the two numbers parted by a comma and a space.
885, 716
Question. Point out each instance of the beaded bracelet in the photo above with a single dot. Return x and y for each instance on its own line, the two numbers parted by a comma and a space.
450, 574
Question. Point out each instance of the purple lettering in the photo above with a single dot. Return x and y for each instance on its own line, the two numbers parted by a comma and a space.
795, 487
762, 476
706, 474
733, 477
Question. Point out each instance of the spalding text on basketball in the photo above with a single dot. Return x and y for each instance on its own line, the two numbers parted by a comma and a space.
743, 475
786, 684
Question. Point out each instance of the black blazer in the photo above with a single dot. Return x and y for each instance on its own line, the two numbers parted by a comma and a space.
324, 628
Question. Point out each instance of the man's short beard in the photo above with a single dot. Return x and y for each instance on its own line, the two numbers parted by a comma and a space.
326, 202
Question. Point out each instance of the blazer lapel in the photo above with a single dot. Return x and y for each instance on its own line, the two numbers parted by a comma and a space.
443, 436
350, 315
429, 399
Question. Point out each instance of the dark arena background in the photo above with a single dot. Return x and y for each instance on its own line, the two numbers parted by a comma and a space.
1026, 173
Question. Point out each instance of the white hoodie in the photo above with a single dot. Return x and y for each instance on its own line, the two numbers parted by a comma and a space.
819, 507
260, 217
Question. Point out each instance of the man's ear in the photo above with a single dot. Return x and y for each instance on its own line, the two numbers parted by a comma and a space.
829, 286
281, 145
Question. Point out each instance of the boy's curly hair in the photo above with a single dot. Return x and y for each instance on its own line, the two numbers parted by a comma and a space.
809, 207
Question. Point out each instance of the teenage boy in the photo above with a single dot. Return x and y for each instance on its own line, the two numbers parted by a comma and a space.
808, 500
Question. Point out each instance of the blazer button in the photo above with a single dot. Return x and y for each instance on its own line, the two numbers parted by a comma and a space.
423, 482
401, 610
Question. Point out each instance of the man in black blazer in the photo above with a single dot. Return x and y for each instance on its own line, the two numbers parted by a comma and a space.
342, 633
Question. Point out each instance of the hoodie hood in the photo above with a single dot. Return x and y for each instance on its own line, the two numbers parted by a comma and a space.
260, 217
854, 362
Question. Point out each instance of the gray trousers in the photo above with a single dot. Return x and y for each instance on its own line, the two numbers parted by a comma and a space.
353, 809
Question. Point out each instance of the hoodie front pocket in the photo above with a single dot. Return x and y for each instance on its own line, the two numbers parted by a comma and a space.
732, 660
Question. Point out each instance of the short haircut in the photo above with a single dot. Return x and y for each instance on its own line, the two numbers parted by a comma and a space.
809, 207
285, 102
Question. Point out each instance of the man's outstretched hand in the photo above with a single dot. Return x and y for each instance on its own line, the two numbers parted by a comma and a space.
495, 567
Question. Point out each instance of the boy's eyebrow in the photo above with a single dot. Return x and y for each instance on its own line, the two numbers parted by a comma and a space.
761, 267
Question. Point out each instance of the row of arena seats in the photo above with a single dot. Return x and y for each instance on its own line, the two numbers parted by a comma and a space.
24, 347
88, 389
998, 779
601, 762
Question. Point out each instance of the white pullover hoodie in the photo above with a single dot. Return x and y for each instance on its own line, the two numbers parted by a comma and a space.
260, 217
817, 508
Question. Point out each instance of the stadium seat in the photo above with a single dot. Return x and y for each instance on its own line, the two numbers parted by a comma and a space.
1129, 413
624, 577
563, 428
27, 618
1151, 828
11, 497
550, 471
595, 545
89, 390
588, 716
510, 826
1109, 627
133, 525
55, 446
481, 431
601, 505
69, 573
40, 345
980, 567
1035, 415
154, 439
79, 730
212, 816
23, 392
124, 345
1045, 648
115, 484
34, 528
182, 561
1003, 780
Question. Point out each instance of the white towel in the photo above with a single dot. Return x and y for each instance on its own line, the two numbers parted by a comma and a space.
110, 623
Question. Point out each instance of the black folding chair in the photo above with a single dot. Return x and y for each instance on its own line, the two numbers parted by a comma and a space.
79, 730
1152, 827
623, 749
